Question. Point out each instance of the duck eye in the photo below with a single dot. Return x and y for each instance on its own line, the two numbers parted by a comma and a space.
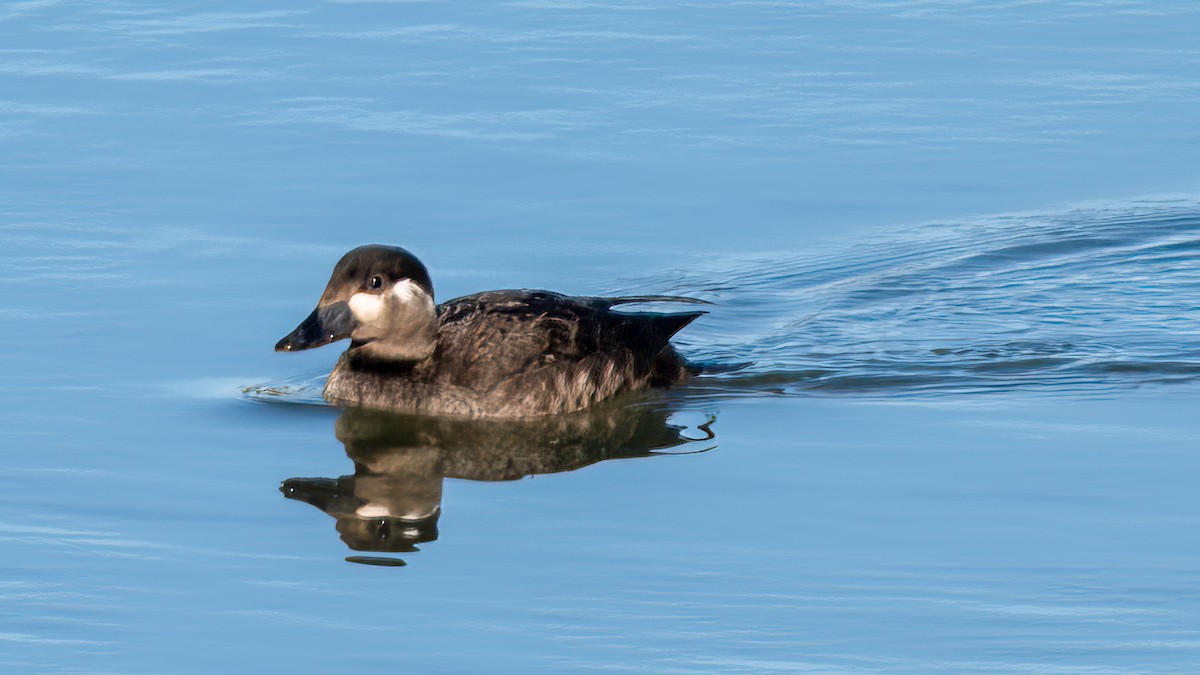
375, 283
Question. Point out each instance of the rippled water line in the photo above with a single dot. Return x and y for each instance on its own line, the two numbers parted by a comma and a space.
1088, 300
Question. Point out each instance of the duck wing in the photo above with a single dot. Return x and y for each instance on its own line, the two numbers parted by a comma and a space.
488, 337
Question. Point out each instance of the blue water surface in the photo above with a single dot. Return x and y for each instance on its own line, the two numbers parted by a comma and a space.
953, 248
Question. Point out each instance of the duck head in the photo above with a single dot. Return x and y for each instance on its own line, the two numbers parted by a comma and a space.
382, 299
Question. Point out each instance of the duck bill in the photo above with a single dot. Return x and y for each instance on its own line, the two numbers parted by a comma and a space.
326, 324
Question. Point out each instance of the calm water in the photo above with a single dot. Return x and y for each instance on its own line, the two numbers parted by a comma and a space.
954, 251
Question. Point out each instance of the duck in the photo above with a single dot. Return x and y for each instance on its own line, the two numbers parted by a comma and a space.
495, 354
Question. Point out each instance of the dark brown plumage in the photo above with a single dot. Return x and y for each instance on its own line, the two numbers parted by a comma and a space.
495, 354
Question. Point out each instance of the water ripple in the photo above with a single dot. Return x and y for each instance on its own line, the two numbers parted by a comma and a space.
1085, 301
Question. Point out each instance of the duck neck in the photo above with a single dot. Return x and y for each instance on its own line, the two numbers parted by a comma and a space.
413, 345
400, 327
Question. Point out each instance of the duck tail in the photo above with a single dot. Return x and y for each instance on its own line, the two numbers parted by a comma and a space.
631, 299
666, 325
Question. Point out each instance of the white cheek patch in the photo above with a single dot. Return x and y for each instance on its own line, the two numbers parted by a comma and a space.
373, 511
407, 292
382, 511
366, 307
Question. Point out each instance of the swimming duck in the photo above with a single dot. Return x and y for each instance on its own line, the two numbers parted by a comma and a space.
516, 353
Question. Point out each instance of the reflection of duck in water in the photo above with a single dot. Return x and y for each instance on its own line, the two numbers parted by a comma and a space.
393, 500
494, 354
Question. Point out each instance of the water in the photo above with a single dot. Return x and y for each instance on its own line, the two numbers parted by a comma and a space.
953, 248
1087, 301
